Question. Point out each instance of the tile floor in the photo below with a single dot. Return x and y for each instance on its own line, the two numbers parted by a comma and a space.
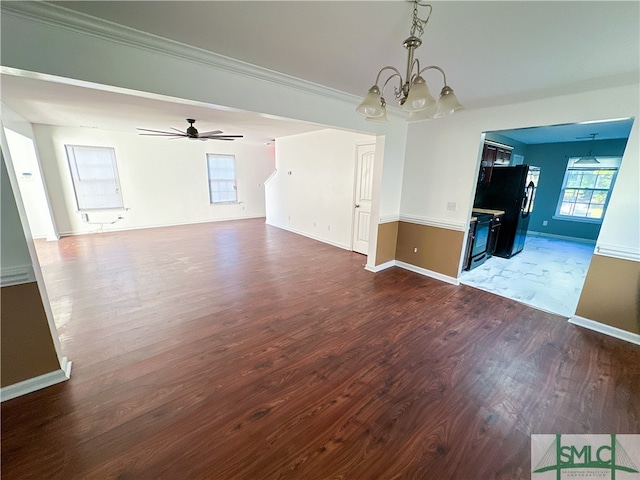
548, 274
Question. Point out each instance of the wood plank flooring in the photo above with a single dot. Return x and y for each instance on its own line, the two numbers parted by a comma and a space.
236, 350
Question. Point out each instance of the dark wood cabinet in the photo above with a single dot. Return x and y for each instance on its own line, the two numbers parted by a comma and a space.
492, 155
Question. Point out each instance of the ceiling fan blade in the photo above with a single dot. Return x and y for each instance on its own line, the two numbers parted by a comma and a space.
155, 131
206, 134
170, 135
173, 128
221, 136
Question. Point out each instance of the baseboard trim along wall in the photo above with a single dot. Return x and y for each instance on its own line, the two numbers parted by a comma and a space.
18, 275
37, 383
605, 329
413, 268
561, 237
308, 235
145, 227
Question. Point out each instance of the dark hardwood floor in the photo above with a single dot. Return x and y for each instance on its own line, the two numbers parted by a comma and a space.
236, 350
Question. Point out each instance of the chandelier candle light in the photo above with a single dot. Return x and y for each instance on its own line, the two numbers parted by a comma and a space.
412, 93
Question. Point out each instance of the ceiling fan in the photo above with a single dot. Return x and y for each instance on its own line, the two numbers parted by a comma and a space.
191, 133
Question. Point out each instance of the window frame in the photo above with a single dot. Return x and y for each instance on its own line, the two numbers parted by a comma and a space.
72, 152
211, 180
606, 163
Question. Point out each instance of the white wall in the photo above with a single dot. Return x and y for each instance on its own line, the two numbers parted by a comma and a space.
442, 158
20, 142
163, 182
312, 190
54, 47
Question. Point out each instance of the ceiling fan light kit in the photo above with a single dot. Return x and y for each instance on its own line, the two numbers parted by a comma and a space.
191, 133
412, 92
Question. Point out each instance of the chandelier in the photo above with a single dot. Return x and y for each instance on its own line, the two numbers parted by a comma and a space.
412, 92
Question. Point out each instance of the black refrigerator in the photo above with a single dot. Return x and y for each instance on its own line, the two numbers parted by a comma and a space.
508, 191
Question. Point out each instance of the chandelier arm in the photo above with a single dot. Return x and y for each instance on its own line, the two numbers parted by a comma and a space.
388, 67
416, 63
434, 67
397, 74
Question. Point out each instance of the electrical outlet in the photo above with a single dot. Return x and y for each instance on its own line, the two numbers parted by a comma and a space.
415, 250
452, 206
545, 223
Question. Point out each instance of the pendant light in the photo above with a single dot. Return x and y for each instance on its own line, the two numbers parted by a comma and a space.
588, 159
411, 92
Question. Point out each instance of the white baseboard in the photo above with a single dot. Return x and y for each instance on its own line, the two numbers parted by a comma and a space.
605, 329
413, 268
382, 266
145, 227
428, 273
561, 237
308, 235
18, 275
37, 383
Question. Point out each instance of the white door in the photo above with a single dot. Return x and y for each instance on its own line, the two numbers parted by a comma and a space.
362, 197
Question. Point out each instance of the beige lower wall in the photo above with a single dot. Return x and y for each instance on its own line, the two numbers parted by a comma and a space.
27, 347
439, 249
387, 240
611, 293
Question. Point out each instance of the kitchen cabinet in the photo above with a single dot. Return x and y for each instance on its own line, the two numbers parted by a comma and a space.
492, 155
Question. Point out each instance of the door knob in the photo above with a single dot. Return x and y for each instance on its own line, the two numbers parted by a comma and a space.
357, 206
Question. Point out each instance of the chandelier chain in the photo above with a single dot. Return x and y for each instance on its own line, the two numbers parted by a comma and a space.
418, 24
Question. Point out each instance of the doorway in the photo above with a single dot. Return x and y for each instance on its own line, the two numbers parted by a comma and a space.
570, 205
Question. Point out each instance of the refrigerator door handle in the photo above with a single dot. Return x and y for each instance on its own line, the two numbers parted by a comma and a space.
527, 200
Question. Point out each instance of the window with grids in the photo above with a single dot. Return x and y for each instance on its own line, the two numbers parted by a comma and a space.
586, 189
95, 177
222, 178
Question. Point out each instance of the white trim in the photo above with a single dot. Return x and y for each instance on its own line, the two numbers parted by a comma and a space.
618, 251
435, 222
605, 329
379, 268
18, 275
562, 237
37, 383
163, 225
412, 268
61, 17
270, 177
313, 237
428, 273
389, 219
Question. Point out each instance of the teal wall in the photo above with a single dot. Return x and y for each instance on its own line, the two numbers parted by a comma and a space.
552, 159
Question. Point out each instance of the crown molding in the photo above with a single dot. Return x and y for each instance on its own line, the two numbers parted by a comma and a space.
60, 17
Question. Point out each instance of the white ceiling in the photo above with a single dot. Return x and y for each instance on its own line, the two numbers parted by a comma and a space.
492, 52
